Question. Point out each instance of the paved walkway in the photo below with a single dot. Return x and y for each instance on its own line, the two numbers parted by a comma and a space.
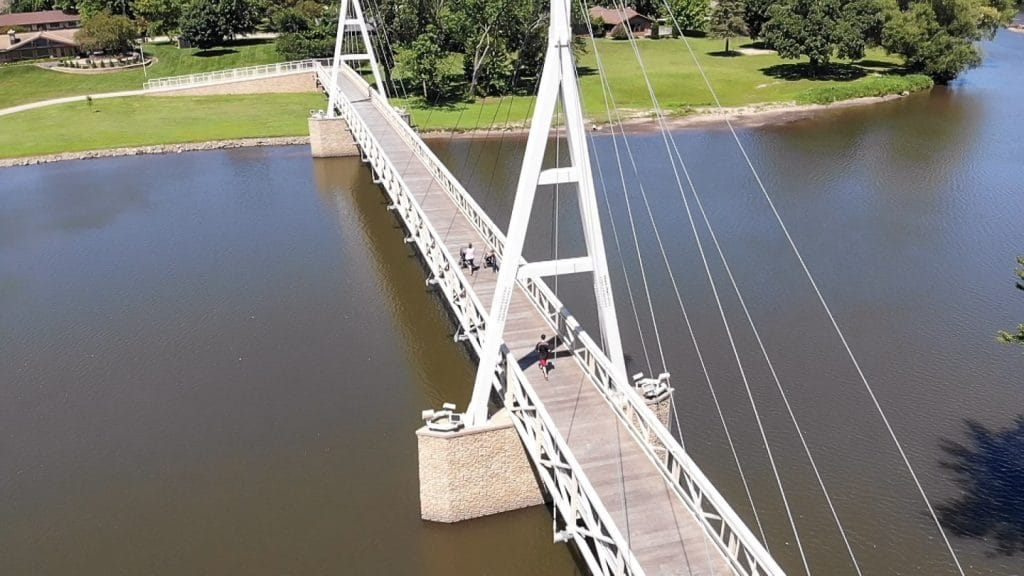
66, 100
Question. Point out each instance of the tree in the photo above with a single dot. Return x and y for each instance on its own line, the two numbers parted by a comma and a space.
755, 14
937, 37
162, 17
89, 7
207, 23
104, 31
686, 15
316, 40
822, 29
727, 21
424, 62
1016, 337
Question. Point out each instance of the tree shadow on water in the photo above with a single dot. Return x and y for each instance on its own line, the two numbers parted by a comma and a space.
991, 476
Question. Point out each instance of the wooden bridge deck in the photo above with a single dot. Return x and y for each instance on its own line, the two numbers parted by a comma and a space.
663, 534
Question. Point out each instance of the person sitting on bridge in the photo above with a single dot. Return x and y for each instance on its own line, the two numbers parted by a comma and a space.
491, 260
544, 351
462, 257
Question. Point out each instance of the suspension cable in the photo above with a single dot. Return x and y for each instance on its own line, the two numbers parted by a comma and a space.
382, 27
824, 305
732, 445
746, 382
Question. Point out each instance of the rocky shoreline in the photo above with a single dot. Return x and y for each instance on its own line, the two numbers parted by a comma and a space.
157, 149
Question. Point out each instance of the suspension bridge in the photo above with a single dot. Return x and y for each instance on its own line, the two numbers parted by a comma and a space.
623, 490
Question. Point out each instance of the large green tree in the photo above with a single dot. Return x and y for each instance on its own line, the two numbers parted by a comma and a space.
823, 29
104, 31
424, 62
1016, 336
727, 21
207, 23
162, 17
308, 36
489, 33
938, 37
686, 15
755, 14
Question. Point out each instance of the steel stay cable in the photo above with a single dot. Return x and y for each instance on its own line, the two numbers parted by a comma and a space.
702, 361
825, 306
761, 346
618, 425
746, 382
380, 24
606, 89
608, 96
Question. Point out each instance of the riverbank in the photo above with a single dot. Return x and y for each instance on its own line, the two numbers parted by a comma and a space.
741, 116
158, 149
144, 121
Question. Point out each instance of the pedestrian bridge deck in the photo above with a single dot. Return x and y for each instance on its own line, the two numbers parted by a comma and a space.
663, 534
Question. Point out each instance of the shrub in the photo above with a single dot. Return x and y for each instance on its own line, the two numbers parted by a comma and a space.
874, 86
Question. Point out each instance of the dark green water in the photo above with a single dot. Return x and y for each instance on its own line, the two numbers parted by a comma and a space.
213, 362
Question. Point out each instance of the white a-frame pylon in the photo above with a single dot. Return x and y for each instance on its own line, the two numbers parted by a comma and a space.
340, 58
558, 82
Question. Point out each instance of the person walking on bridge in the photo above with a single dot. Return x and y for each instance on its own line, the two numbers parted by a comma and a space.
544, 352
470, 257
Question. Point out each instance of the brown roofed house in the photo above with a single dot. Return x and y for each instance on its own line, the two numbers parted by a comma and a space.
51, 34
39, 21
615, 19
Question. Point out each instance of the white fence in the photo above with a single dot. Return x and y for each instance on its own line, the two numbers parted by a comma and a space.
233, 75
598, 539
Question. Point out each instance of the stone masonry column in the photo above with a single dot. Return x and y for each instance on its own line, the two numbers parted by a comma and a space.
475, 472
330, 138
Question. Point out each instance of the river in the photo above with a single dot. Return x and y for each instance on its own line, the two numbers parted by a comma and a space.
213, 362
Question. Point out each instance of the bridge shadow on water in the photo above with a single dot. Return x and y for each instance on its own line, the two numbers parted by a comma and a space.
991, 475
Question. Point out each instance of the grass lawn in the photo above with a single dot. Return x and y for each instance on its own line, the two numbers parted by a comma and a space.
23, 83
738, 80
147, 120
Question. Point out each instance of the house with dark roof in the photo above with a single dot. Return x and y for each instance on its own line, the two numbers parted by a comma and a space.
40, 21
615, 20
32, 35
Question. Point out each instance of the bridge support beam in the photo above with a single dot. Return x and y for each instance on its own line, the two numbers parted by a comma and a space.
475, 472
330, 138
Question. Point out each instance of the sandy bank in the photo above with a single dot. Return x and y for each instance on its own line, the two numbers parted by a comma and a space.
741, 116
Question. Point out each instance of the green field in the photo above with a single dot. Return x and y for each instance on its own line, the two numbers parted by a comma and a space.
23, 83
148, 120
145, 120
738, 80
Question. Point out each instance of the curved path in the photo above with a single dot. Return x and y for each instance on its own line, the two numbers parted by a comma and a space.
66, 100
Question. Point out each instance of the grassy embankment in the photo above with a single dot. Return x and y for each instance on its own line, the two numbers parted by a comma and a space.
148, 120
145, 120
24, 83
738, 80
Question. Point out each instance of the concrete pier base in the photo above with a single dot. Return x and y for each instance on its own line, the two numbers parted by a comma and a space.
475, 472
663, 411
330, 138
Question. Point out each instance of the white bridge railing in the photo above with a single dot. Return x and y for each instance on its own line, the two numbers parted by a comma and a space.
586, 521
233, 75
746, 554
